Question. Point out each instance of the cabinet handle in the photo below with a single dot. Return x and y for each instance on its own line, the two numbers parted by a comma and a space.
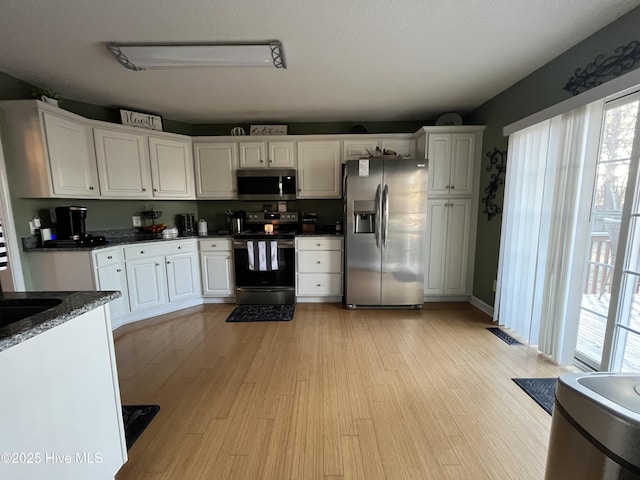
119, 270
109, 257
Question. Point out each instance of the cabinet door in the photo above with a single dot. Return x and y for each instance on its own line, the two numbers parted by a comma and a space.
282, 155
171, 168
183, 278
439, 163
403, 147
217, 274
216, 164
147, 283
71, 160
319, 169
354, 149
113, 277
457, 247
436, 246
123, 164
252, 154
462, 154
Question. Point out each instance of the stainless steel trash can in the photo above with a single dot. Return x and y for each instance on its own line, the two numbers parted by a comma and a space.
595, 429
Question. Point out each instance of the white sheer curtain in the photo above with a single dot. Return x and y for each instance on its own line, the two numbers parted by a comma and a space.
545, 225
524, 185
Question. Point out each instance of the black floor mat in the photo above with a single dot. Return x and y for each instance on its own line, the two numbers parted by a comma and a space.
262, 313
504, 336
542, 390
136, 419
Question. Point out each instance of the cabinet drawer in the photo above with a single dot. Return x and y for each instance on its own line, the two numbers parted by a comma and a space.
319, 243
319, 284
215, 245
108, 257
325, 261
145, 250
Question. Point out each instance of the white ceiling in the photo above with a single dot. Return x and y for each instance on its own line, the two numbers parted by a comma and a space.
347, 60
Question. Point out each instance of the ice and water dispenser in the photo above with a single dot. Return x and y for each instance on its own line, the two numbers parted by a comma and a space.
364, 216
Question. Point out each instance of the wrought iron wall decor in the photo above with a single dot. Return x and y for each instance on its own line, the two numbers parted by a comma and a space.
498, 166
598, 71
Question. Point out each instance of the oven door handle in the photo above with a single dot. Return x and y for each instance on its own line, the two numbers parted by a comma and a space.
281, 243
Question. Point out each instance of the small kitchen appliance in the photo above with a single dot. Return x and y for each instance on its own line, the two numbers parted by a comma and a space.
71, 229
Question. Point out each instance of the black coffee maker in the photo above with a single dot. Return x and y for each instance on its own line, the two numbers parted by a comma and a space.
71, 230
71, 223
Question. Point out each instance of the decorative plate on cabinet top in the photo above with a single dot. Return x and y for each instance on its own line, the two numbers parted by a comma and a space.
450, 118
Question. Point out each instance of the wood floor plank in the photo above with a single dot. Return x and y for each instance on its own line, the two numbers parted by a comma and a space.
333, 394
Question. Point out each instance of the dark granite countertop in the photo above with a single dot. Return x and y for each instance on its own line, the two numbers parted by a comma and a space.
73, 305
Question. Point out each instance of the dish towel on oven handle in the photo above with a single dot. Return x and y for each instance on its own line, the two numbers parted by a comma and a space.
263, 255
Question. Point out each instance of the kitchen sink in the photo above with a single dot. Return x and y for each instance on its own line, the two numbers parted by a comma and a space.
14, 310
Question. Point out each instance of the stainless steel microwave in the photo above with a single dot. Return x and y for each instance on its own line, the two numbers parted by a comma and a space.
266, 184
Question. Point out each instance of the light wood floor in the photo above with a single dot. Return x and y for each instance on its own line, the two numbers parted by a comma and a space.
333, 394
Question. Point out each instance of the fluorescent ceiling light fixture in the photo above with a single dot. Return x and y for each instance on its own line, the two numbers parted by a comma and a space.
147, 57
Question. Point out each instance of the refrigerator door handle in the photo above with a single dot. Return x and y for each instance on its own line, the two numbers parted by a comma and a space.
378, 214
385, 210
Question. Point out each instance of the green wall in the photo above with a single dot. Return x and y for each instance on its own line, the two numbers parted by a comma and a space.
540, 90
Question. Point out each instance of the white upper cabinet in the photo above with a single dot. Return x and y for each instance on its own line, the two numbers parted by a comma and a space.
171, 168
319, 169
402, 147
267, 154
71, 159
215, 165
451, 163
51, 151
123, 164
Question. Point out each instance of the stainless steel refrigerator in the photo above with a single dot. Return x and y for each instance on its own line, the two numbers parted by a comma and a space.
385, 214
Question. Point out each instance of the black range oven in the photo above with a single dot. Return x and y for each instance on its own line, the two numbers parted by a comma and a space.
264, 263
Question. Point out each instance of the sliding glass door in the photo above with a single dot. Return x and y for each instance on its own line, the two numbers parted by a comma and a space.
609, 326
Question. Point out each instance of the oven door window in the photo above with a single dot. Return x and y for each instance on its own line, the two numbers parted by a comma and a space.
283, 277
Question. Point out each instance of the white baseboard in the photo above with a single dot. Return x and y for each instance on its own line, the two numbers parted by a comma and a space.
446, 298
480, 305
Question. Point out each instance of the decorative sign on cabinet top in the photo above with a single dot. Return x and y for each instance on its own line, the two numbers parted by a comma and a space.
268, 130
139, 119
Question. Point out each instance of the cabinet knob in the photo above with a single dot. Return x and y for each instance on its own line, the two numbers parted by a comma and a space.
90, 188
318, 245
214, 245
141, 252
270, 161
109, 257
318, 285
157, 264
119, 270
299, 189
447, 187
318, 262
179, 248
168, 262
155, 189
261, 161
452, 187
144, 189
228, 258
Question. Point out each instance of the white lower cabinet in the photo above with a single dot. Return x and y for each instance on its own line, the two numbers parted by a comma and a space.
319, 267
161, 273
449, 222
110, 274
216, 265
